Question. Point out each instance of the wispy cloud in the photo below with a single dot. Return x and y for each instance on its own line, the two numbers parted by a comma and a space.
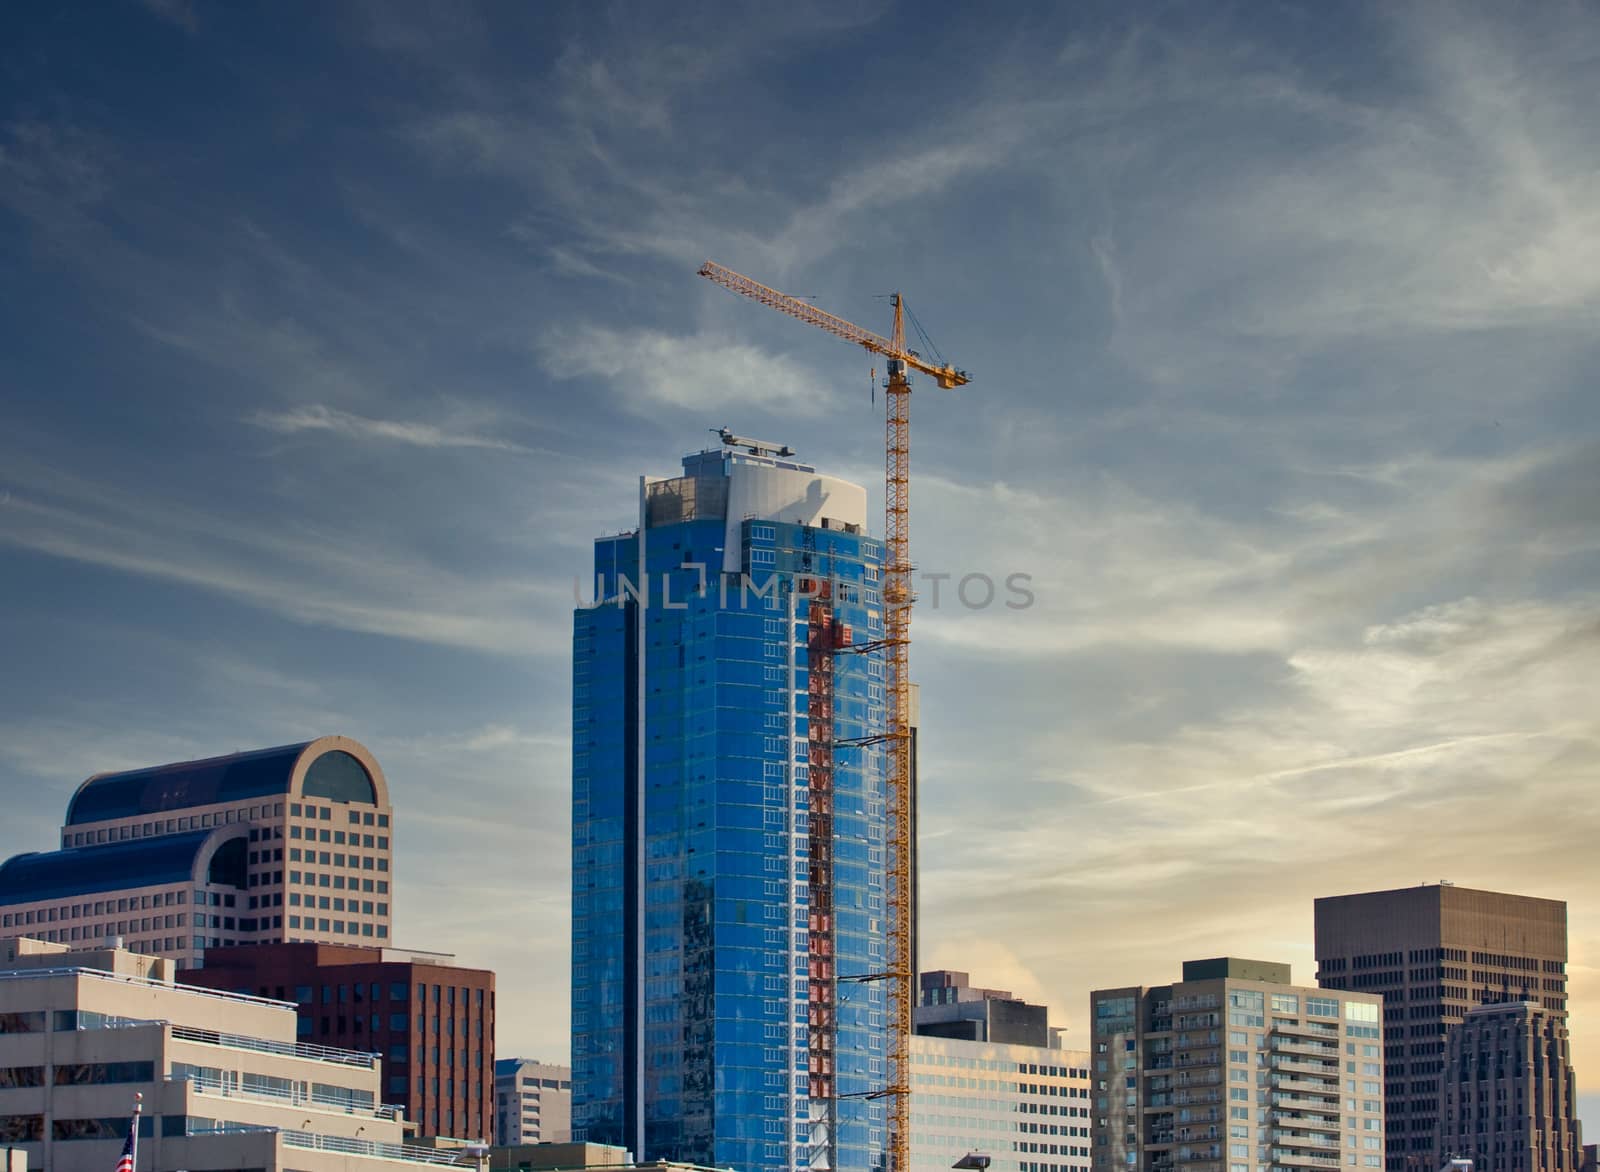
178, 12
698, 373
317, 417
338, 580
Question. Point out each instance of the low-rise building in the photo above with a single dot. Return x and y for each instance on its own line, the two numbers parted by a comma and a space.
532, 1102
224, 1081
430, 1019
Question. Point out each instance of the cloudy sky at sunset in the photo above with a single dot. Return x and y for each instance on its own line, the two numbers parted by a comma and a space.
331, 335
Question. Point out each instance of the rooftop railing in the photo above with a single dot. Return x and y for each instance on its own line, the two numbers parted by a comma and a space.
314, 1141
208, 1085
141, 982
267, 1046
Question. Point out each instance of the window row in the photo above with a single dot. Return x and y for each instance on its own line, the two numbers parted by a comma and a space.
174, 825
339, 927
338, 838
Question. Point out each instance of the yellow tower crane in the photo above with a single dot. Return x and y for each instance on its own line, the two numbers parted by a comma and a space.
897, 601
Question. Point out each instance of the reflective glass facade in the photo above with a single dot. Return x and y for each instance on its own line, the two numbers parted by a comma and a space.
692, 755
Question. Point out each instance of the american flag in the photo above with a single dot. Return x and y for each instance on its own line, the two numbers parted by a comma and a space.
125, 1164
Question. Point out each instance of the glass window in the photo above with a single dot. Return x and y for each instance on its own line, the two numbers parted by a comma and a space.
1322, 1007
27, 1022
74, 1074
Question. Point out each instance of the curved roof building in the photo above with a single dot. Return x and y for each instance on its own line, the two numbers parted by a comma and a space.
335, 768
273, 845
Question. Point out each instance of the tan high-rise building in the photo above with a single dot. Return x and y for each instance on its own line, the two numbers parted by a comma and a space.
1433, 952
1234, 1069
285, 844
1509, 1103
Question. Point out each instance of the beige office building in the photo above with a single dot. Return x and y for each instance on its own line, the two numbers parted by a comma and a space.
1433, 952
532, 1102
286, 844
1509, 1102
1026, 1107
1235, 1069
225, 1084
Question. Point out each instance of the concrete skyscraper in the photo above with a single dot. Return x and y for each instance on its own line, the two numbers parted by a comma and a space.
1434, 952
729, 823
1233, 1068
1509, 1103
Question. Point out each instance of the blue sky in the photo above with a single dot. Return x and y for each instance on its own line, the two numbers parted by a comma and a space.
333, 334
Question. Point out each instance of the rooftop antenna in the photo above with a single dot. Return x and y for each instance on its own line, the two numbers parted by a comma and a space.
754, 446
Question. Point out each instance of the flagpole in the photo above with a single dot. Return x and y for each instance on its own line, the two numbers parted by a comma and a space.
138, 1110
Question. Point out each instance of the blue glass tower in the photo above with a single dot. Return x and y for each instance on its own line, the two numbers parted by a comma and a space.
728, 824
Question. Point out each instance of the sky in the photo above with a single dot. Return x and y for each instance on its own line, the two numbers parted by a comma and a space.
332, 335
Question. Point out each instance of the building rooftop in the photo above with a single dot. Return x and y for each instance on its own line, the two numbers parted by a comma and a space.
141, 862
325, 955
333, 774
1239, 969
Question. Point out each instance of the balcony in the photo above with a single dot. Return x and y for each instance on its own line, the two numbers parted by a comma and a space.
1316, 1049
1305, 1122
1304, 1159
1301, 1103
1307, 1066
1306, 1030
1291, 1082
1293, 1139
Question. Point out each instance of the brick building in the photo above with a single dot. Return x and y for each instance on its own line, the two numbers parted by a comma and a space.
429, 1019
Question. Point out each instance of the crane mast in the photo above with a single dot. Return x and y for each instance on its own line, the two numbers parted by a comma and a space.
898, 598
897, 601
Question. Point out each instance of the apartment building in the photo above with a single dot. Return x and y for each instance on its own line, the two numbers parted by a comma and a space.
1236, 1069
